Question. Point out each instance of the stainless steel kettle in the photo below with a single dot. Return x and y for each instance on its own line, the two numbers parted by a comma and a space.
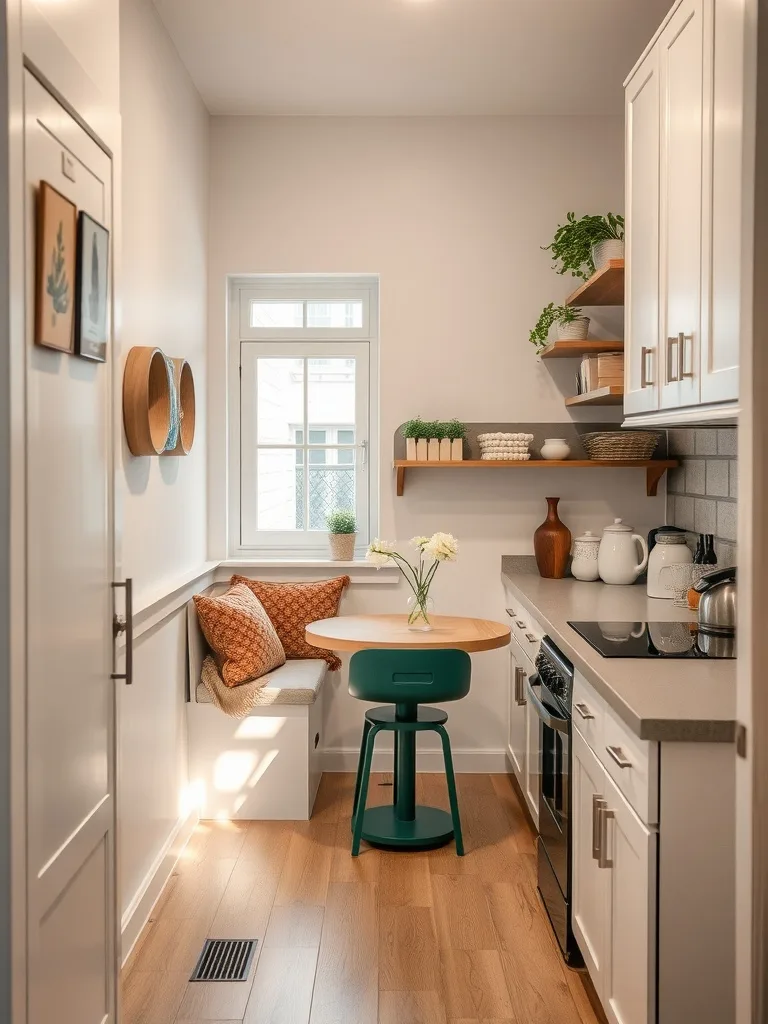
717, 607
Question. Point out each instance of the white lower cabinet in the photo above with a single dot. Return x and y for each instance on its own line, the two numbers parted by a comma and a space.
614, 891
532, 785
523, 730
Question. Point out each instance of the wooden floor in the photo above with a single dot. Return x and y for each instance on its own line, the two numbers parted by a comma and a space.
389, 938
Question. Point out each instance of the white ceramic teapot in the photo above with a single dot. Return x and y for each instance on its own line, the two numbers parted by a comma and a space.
617, 557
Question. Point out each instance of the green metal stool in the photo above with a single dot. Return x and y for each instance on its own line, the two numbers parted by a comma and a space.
406, 679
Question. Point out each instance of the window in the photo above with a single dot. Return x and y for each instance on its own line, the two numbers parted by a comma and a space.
304, 353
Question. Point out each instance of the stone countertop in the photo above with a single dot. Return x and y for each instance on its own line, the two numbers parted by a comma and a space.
673, 700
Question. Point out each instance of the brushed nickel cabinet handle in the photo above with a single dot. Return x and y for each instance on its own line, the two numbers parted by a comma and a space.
124, 625
511, 612
597, 804
682, 373
531, 638
603, 860
520, 687
670, 343
645, 356
619, 757
584, 711
519, 624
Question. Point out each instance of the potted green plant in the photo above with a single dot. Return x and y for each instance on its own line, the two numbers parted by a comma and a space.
434, 434
455, 432
571, 323
342, 533
584, 245
412, 431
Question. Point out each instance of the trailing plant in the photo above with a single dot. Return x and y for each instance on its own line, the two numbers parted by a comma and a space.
573, 241
455, 430
341, 521
552, 314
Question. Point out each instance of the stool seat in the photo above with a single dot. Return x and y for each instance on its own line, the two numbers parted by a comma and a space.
427, 719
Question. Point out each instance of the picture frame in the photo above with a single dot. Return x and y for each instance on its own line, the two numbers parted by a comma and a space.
92, 293
56, 269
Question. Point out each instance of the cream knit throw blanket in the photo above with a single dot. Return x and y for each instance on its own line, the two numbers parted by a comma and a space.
238, 701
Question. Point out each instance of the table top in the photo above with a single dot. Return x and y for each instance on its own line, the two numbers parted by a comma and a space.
358, 632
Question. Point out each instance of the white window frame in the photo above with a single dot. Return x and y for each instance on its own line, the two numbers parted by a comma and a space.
246, 343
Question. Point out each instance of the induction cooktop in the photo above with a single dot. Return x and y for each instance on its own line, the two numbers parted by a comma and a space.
654, 640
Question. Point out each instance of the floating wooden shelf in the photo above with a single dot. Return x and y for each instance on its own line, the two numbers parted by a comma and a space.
654, 468
612, 395
604, 288
571, 349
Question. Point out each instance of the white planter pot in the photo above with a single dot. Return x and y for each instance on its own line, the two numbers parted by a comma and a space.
421, 450
457, 450
577, 330
555, 448
342, 546
608, 249
445, 449
433, 451
410, 449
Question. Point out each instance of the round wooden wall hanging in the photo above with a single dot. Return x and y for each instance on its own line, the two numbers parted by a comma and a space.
184, 384
146, 401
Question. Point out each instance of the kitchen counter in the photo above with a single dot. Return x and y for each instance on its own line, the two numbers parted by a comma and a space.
674, 700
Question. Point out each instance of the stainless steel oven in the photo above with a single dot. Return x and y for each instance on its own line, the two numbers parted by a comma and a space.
550, 692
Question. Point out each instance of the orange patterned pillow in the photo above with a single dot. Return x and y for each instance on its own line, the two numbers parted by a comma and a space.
292, 606
240, 635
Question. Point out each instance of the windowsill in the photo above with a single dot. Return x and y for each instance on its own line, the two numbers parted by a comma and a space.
359, 570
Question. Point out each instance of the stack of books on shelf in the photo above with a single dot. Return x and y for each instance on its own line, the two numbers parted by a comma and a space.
600, 372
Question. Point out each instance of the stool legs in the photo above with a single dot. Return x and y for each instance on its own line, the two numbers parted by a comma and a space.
451, 780
366, 729
357, 835
405, 763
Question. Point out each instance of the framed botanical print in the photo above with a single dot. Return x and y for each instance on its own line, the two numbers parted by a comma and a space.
56, 263
91, 310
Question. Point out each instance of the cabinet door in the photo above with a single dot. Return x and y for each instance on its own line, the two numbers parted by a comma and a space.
629, 856
720, 347
516, 722
683, 233
590, 882
642, 125
532, 759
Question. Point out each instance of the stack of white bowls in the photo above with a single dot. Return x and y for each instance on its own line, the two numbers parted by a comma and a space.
501, 447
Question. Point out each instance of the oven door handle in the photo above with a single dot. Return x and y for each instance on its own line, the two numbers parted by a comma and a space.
553, 721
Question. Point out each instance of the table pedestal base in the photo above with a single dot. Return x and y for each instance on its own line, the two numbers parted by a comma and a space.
431, 827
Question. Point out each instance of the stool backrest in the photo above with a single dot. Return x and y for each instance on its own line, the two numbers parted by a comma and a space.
410, 676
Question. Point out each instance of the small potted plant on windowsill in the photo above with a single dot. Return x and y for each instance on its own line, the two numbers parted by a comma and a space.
455, 432
587, 244
342, 534
571, 323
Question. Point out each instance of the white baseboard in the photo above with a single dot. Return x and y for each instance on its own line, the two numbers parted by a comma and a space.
465, 762
138, 911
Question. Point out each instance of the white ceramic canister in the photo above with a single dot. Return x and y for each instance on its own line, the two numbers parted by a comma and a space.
617, 556
555, 448
669, 549
584, 564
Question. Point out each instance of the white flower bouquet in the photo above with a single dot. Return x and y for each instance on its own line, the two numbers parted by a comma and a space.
440, 547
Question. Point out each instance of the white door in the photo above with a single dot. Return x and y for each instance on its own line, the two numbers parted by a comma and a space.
516, 718
641, 328
629, 856
70, 696
590, 882
682, 67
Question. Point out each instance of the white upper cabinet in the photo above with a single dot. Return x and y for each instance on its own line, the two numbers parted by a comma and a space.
684, 109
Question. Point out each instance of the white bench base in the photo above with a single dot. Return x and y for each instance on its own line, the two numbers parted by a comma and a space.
265, 766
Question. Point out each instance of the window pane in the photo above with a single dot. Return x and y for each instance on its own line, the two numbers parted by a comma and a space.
345, 436
331, 487
317, 457
277, 314
318, 436
280, 401
335, 314
331, 392
279, 501
346, 456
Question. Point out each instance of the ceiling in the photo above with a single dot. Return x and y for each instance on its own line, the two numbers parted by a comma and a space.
411, 57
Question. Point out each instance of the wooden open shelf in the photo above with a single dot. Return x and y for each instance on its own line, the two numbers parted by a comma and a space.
654, 468
571, 349
611, 395
604, 288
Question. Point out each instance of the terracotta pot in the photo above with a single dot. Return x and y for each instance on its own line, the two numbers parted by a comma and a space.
552, 544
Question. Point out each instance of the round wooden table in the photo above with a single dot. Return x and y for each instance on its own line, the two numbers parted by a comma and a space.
406, 825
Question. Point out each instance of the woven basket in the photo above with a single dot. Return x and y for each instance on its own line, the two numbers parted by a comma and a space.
621, 444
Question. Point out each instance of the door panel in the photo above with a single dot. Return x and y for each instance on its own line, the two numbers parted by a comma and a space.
642, 120
70, 742
681, 209
516, 723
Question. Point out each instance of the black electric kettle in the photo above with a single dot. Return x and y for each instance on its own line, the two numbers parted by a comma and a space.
717, 607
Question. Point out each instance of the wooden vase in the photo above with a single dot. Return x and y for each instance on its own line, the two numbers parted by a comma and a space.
552, 544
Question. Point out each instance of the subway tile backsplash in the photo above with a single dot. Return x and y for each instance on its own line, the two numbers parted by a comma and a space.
701, 494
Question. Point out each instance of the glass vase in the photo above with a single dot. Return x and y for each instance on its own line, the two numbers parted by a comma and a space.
421, 609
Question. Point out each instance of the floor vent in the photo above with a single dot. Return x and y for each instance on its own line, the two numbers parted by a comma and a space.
225, 960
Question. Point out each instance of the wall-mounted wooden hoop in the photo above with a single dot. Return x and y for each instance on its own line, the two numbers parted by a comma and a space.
185, 390
146, 401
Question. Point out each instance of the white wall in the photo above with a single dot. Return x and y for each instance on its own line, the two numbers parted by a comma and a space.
450, 212
163, 531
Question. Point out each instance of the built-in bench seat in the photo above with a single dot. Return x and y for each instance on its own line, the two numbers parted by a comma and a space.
265, 765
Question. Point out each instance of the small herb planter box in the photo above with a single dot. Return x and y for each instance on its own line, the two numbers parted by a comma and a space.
457, 449
410, 449
421, 450
433, 451
445, 449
